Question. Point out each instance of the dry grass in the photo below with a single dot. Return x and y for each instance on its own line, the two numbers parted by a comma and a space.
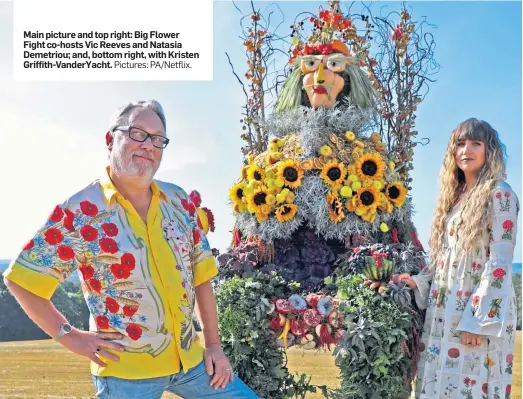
44, 369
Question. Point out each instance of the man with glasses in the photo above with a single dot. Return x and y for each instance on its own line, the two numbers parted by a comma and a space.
145, 267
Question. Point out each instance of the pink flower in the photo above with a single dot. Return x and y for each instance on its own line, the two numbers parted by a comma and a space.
498, 273
467, 293
507, 194
508, 225
498, 195
435, 293
475, 300
510, 358
466, 381
459, 293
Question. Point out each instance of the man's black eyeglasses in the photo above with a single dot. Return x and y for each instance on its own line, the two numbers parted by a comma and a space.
140, 136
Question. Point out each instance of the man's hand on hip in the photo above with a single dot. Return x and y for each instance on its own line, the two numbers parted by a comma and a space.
92, 344
217, 364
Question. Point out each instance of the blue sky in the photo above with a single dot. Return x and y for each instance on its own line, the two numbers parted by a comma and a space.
63, 123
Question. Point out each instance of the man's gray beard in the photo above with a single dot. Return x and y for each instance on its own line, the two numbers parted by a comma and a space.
127, 167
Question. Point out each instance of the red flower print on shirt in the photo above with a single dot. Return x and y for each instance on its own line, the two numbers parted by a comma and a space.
134, 331
508, 225
57, 214
475, 300
128, 261
112, 305
89, 233
509, 358
53, 236
120, 271
102, 322
189, 207
130, 310
88, 208
65, 252
498, 195
484, 388
499, 273
453, 353
110, 229
196, 236
29, 245
108, 245
467, 381
507, 194
95, 285
508, 389
435, 293
199, 222
87, 271
68, 220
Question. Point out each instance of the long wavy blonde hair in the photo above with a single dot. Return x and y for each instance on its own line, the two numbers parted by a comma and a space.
476, 202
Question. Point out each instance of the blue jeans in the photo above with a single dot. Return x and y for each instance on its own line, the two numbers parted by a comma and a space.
191, 385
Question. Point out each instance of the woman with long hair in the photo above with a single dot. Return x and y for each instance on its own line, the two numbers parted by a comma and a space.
469, 333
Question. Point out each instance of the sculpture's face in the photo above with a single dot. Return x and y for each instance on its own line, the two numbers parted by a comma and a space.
323, 81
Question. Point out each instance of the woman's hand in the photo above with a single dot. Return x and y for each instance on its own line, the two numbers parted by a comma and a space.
470, 339
404, 278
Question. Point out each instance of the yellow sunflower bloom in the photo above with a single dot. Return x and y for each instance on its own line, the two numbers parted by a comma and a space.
239, 208
370, 166
336, 213
261, 217
286, 212
290, 173
396, 193
385, 204
236, 193
257, 201
368, 199
369, 217
333, 173
255, 173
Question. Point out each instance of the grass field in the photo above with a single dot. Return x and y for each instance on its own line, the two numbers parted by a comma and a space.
44, 369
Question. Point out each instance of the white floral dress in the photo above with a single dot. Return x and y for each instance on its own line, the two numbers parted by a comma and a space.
471, 292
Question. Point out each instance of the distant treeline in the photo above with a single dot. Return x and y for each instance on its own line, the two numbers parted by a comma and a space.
68, 299
16, 326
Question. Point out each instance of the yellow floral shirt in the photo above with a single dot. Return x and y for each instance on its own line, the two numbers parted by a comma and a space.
137, 278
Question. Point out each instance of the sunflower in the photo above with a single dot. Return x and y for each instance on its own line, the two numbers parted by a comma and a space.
333, 173
370, 166
291, 173
350, 205
369, 217
368, 199
239, 208
385, 205
255, 173
396, 193
261, 217
236, 193
257, 201
336, 207
286, 212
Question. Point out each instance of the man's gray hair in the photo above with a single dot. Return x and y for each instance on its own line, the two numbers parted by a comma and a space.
121, 116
